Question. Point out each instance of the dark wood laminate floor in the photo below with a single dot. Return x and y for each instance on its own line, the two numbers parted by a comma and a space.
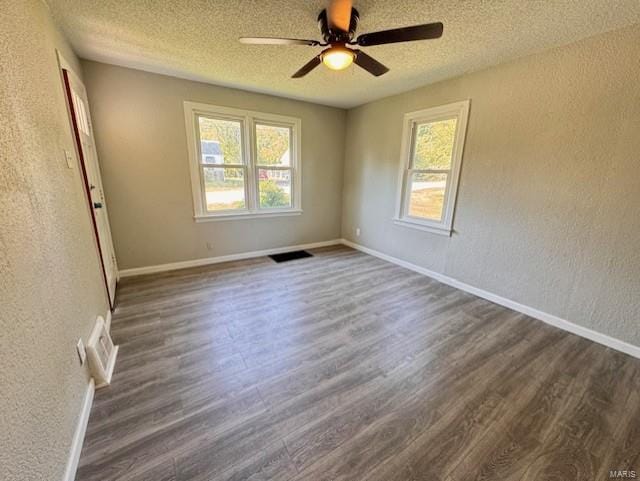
346, 367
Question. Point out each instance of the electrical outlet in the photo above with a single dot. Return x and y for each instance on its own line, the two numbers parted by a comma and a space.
82, 353
210, 246
358, 231
69, 158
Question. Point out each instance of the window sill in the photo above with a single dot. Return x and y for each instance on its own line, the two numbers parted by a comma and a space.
246, 215
440, 230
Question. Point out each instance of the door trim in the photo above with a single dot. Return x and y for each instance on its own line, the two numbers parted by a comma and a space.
65, 69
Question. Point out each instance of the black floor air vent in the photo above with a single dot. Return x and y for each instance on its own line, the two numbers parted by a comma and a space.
290, 256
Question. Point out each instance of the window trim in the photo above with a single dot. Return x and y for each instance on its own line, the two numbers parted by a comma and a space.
459, 111
248, 120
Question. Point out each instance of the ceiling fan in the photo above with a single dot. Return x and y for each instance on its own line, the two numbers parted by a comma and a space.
338, 25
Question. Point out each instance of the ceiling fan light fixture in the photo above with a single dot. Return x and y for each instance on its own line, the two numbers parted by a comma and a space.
338, 58
338, 24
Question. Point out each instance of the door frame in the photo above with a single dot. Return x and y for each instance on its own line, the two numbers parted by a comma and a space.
65, 68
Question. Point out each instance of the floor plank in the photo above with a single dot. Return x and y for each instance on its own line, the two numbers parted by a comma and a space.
345, 367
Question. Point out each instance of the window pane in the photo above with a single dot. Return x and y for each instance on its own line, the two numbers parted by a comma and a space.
433, 145
275, 188
220, 141
273, 145
224, 188
426, 198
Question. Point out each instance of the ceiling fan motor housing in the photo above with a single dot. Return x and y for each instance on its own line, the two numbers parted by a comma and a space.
338, 36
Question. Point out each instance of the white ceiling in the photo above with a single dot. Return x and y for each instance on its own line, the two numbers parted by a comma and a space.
197, 39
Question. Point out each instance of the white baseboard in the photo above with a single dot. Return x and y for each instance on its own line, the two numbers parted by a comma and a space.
136, 271
555, 321
78, 435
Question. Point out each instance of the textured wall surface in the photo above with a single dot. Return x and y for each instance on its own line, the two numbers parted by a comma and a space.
548, 210
141, 138
50, 284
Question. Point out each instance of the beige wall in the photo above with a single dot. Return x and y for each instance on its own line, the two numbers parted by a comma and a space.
548, 210
140, 133
50, 285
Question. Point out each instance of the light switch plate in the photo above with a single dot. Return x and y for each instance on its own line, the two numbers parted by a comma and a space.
82, 353
69, 158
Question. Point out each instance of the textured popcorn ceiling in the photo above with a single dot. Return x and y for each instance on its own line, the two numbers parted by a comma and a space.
197, 39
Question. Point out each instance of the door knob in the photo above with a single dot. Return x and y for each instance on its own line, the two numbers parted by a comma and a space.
97, 205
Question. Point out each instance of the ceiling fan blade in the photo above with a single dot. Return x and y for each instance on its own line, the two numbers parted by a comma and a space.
405, 34
277, 41
339, 14
308, 67
370, 64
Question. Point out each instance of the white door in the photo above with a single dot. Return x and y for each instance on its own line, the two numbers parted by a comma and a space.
83, 132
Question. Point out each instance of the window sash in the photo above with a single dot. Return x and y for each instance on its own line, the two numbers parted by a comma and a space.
415, 124
239, 120
291, 181
423, 171
243, 156
258, 122
408, 183
203, 189
291, 167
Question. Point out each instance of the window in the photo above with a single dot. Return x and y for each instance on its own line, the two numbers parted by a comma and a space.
432, 143
243, 164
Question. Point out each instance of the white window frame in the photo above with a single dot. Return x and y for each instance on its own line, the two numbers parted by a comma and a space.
459, 111
248, 120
